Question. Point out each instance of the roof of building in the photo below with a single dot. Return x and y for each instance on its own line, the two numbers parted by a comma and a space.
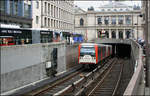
78, 10
112, 6
115, 6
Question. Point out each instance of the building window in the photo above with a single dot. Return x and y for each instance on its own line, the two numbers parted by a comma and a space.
37, 19
2, 5
113, 20
115, 9
128, 20
51, 22
106, 34
54, 23
120, 35
99, 20
106, 20
48, 22
81, 22
26, 10
15, 7
59, 24
121, 9
120, 19
45, 21
127, 9
109, 10
45, 7
113, 34
11, 7
52, 10
48, 9
127, 34
37, 4
99, 34
103, 10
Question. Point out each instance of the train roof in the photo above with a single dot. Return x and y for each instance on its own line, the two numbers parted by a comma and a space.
92, 44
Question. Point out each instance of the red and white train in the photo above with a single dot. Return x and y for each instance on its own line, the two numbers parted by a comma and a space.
91, 54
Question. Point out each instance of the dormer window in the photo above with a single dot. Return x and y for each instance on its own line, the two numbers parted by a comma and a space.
103, 9
115, 9
121, 9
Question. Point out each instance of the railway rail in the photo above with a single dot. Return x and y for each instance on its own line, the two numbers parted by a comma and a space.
109, 83
68, 83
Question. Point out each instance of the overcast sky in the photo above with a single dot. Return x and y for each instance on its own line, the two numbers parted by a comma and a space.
96, 3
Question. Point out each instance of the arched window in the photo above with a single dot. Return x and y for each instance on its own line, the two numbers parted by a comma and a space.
127, 34
113, 34
81, 22
120, 35
99, 34
106, 34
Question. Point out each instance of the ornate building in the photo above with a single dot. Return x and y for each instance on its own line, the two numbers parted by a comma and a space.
54, 15
113, 20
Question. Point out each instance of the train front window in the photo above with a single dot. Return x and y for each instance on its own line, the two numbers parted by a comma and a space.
87, 51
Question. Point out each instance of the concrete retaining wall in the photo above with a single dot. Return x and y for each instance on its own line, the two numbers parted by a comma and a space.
72, 56
21, 65
133, 85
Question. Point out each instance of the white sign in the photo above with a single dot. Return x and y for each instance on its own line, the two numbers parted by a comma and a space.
48, 65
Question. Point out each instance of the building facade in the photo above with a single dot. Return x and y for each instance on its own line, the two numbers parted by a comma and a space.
113, 20
54, 15
144, 16
16, 12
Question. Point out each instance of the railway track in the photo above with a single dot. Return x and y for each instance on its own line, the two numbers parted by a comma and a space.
75, 87
51, 87
109, 83
61, 85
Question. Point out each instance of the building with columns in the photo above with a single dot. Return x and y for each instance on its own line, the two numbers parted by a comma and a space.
113, 20
54, 15
16, 12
